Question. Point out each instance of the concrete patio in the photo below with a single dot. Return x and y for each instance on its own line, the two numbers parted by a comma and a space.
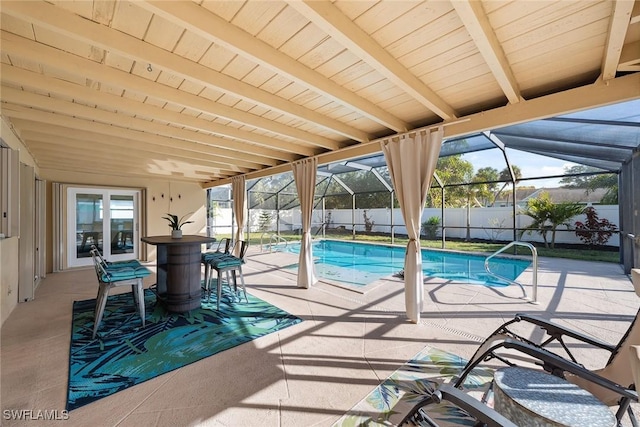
309, 374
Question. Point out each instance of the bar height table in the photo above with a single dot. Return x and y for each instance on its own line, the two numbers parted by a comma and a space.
178, 276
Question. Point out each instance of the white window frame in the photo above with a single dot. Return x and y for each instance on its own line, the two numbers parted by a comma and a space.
106, 193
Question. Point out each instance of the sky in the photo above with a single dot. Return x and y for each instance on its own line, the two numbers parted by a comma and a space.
531, 165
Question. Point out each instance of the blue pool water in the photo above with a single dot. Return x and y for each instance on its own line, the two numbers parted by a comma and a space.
361, 263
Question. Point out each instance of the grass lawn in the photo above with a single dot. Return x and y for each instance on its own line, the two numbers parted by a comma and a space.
584, 254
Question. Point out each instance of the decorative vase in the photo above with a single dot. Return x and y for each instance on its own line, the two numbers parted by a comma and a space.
176, 234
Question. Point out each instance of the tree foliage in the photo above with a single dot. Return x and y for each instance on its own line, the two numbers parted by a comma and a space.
370, 192
582, 179
452, 170
487, 185
594, 231
505, 176
548, 216
479, 188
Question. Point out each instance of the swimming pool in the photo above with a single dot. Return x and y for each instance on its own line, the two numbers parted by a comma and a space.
362, 263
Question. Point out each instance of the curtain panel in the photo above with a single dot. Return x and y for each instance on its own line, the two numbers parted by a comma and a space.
304, 173
411, 161
238, 192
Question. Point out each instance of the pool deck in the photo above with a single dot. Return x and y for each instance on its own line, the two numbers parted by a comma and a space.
309, 374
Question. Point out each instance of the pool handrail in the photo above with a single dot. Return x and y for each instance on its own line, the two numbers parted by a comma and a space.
274, 240
534, 255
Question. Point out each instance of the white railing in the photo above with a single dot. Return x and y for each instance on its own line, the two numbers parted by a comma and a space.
534, 254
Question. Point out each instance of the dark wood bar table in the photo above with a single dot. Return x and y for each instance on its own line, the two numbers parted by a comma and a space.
178, 285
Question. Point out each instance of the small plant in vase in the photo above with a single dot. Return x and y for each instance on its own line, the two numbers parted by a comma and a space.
176, 224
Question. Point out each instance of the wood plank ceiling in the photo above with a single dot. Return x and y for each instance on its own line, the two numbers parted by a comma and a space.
205, 90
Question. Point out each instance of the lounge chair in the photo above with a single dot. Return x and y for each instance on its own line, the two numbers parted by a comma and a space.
481, 413
613, 385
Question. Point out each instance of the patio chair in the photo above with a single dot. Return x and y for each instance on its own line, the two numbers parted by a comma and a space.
109, 278
133, 263
483, 415
613, 384
225, 264
224, 248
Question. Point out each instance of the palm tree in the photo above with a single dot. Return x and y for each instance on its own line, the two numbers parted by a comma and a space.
505, 175
548, 216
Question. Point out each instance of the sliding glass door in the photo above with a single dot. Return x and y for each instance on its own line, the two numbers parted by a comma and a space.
105, 218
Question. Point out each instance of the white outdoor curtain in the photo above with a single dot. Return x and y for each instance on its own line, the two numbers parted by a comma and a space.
411, 161
238, 192
304, 173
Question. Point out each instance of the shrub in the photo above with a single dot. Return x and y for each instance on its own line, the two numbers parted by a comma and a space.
497, 228
548, 216
264, 221
430, 227
594, 231
368, 222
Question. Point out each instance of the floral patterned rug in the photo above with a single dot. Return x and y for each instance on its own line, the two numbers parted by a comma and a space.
390, 401
124, 354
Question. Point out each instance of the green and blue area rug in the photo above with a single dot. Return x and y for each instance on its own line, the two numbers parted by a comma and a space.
391, 400
125, 354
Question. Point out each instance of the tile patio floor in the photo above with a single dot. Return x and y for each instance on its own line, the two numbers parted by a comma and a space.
309, 374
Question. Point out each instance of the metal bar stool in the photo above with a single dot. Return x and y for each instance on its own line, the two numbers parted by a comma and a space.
111, 277
229, 264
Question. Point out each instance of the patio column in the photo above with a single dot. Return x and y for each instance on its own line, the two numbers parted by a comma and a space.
411, 161
304, 173
239, 208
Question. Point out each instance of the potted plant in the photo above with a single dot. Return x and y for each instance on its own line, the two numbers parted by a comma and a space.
176, 224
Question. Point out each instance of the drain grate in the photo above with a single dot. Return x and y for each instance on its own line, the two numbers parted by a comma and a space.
453, 331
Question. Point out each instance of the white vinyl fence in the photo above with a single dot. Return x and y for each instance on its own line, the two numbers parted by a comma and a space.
494, 223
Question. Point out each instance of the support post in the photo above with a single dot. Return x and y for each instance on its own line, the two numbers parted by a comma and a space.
353, 216
391, 219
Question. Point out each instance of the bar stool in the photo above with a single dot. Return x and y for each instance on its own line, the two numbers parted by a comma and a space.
109, 278
207, 257
229, 264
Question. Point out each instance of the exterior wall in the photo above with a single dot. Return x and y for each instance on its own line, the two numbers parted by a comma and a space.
162, 197
180, 198
9, 250
9, 274
13, 140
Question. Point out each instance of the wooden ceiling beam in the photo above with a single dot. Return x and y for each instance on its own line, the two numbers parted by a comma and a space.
58, 172
618, 26
52, 57
340, 28
133, 149
58, 20
21, 112
99, 160
618, 90
475, 20
65, 165
48, 151
221, 147
635, 13
211, 27
30, 79
630, 57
